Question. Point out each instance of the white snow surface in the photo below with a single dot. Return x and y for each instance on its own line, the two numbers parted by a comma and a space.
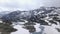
47, 29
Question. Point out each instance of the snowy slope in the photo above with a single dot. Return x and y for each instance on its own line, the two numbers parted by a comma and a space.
44, 20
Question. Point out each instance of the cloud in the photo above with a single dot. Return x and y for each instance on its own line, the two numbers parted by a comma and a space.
20, 4
27, 4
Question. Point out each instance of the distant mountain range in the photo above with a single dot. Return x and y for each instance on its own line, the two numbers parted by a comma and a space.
35, 15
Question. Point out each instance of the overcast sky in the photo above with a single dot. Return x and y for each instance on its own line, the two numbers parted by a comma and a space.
26, 4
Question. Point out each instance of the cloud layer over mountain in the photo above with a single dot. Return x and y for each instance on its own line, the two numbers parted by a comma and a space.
26, 4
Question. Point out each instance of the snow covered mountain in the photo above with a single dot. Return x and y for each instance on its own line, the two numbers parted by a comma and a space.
43, 16
37, 15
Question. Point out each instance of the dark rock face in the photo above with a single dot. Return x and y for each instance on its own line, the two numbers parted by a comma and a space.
53, 15
51, 21
58, 29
